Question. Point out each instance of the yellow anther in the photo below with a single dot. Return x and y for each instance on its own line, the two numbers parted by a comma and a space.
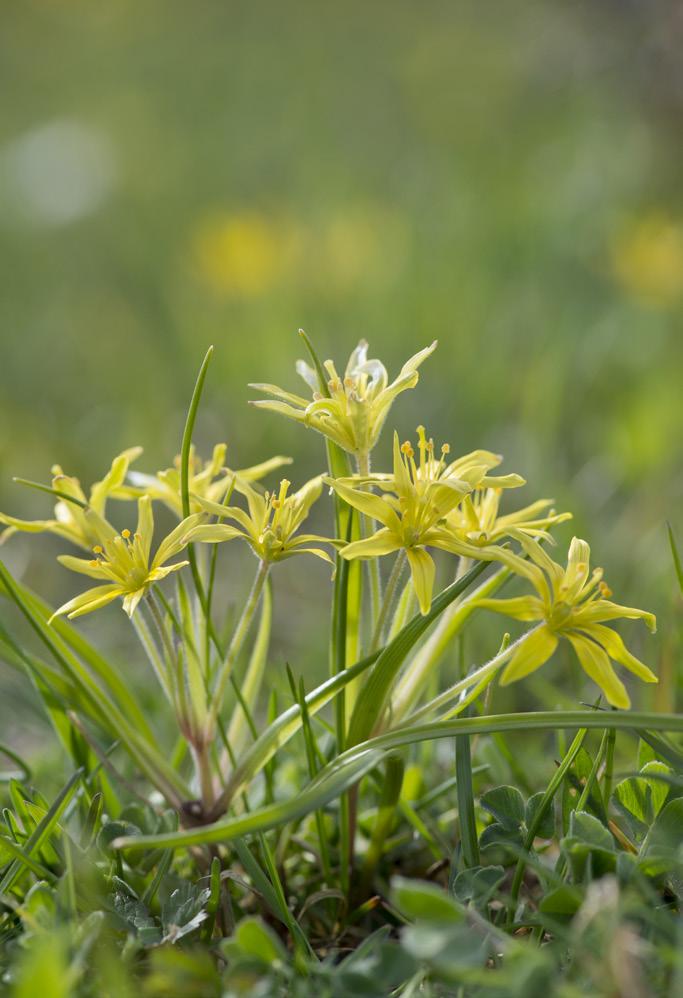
276, 504
445, 448
605, 590
407, 448
94, 563
349, 383
97, 549
125, 534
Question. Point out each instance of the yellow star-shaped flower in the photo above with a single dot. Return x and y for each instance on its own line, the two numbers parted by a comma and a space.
571, 603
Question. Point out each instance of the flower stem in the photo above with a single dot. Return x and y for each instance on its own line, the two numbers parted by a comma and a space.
366, 524
484, 672
388, 599
236, 643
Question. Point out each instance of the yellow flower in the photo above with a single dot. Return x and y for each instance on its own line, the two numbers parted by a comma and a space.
208, 480
418, 497
124, 562
357, 406
647, 260
270, 527
476, 520
240, 255
81, 524
573, 604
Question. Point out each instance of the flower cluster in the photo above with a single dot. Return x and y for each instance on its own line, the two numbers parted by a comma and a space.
427, 502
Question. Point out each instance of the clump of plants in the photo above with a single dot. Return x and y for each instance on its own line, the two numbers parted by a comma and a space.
365, 836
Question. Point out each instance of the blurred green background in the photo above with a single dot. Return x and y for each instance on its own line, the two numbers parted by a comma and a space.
503, 177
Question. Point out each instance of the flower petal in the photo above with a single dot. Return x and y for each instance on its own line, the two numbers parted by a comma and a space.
530, 655
601, 609
367, 502
519, 607
145, 527
616, 649
422, 570
86, 566
596, 664
383, 542
131, 600
114, 478
176, 540
88, 601
213, 533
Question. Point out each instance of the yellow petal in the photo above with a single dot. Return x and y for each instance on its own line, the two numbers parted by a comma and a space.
176, 540
213, 533
519, 607
616, 649
422, 570
596, 664
145, 527
131, 600
86, 566
530, 655
114, 478
383, 542
88, 601
366, 502
601, 609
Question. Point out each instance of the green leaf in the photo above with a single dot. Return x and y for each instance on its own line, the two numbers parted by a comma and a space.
544, 828
376, 689
42, 831
419, 900
642, 797
255, 939
330, 783
676, 557
663, 841
562, 903
478, 884
586, 828
506, 804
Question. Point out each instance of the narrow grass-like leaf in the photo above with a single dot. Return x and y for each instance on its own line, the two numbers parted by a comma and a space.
349, 767
377, 688
676, 556
250, 686
337, 779
106, 712
108, 675
50, 491
43, 830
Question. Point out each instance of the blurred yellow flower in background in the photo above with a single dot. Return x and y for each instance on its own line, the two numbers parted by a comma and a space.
241, 255
647, 260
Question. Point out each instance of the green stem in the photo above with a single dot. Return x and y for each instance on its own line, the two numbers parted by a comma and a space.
236, 643
366, 526
388, 600
609, 768
421, 668
157, 617
391, 792
484, 672
546, 801
465, 794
